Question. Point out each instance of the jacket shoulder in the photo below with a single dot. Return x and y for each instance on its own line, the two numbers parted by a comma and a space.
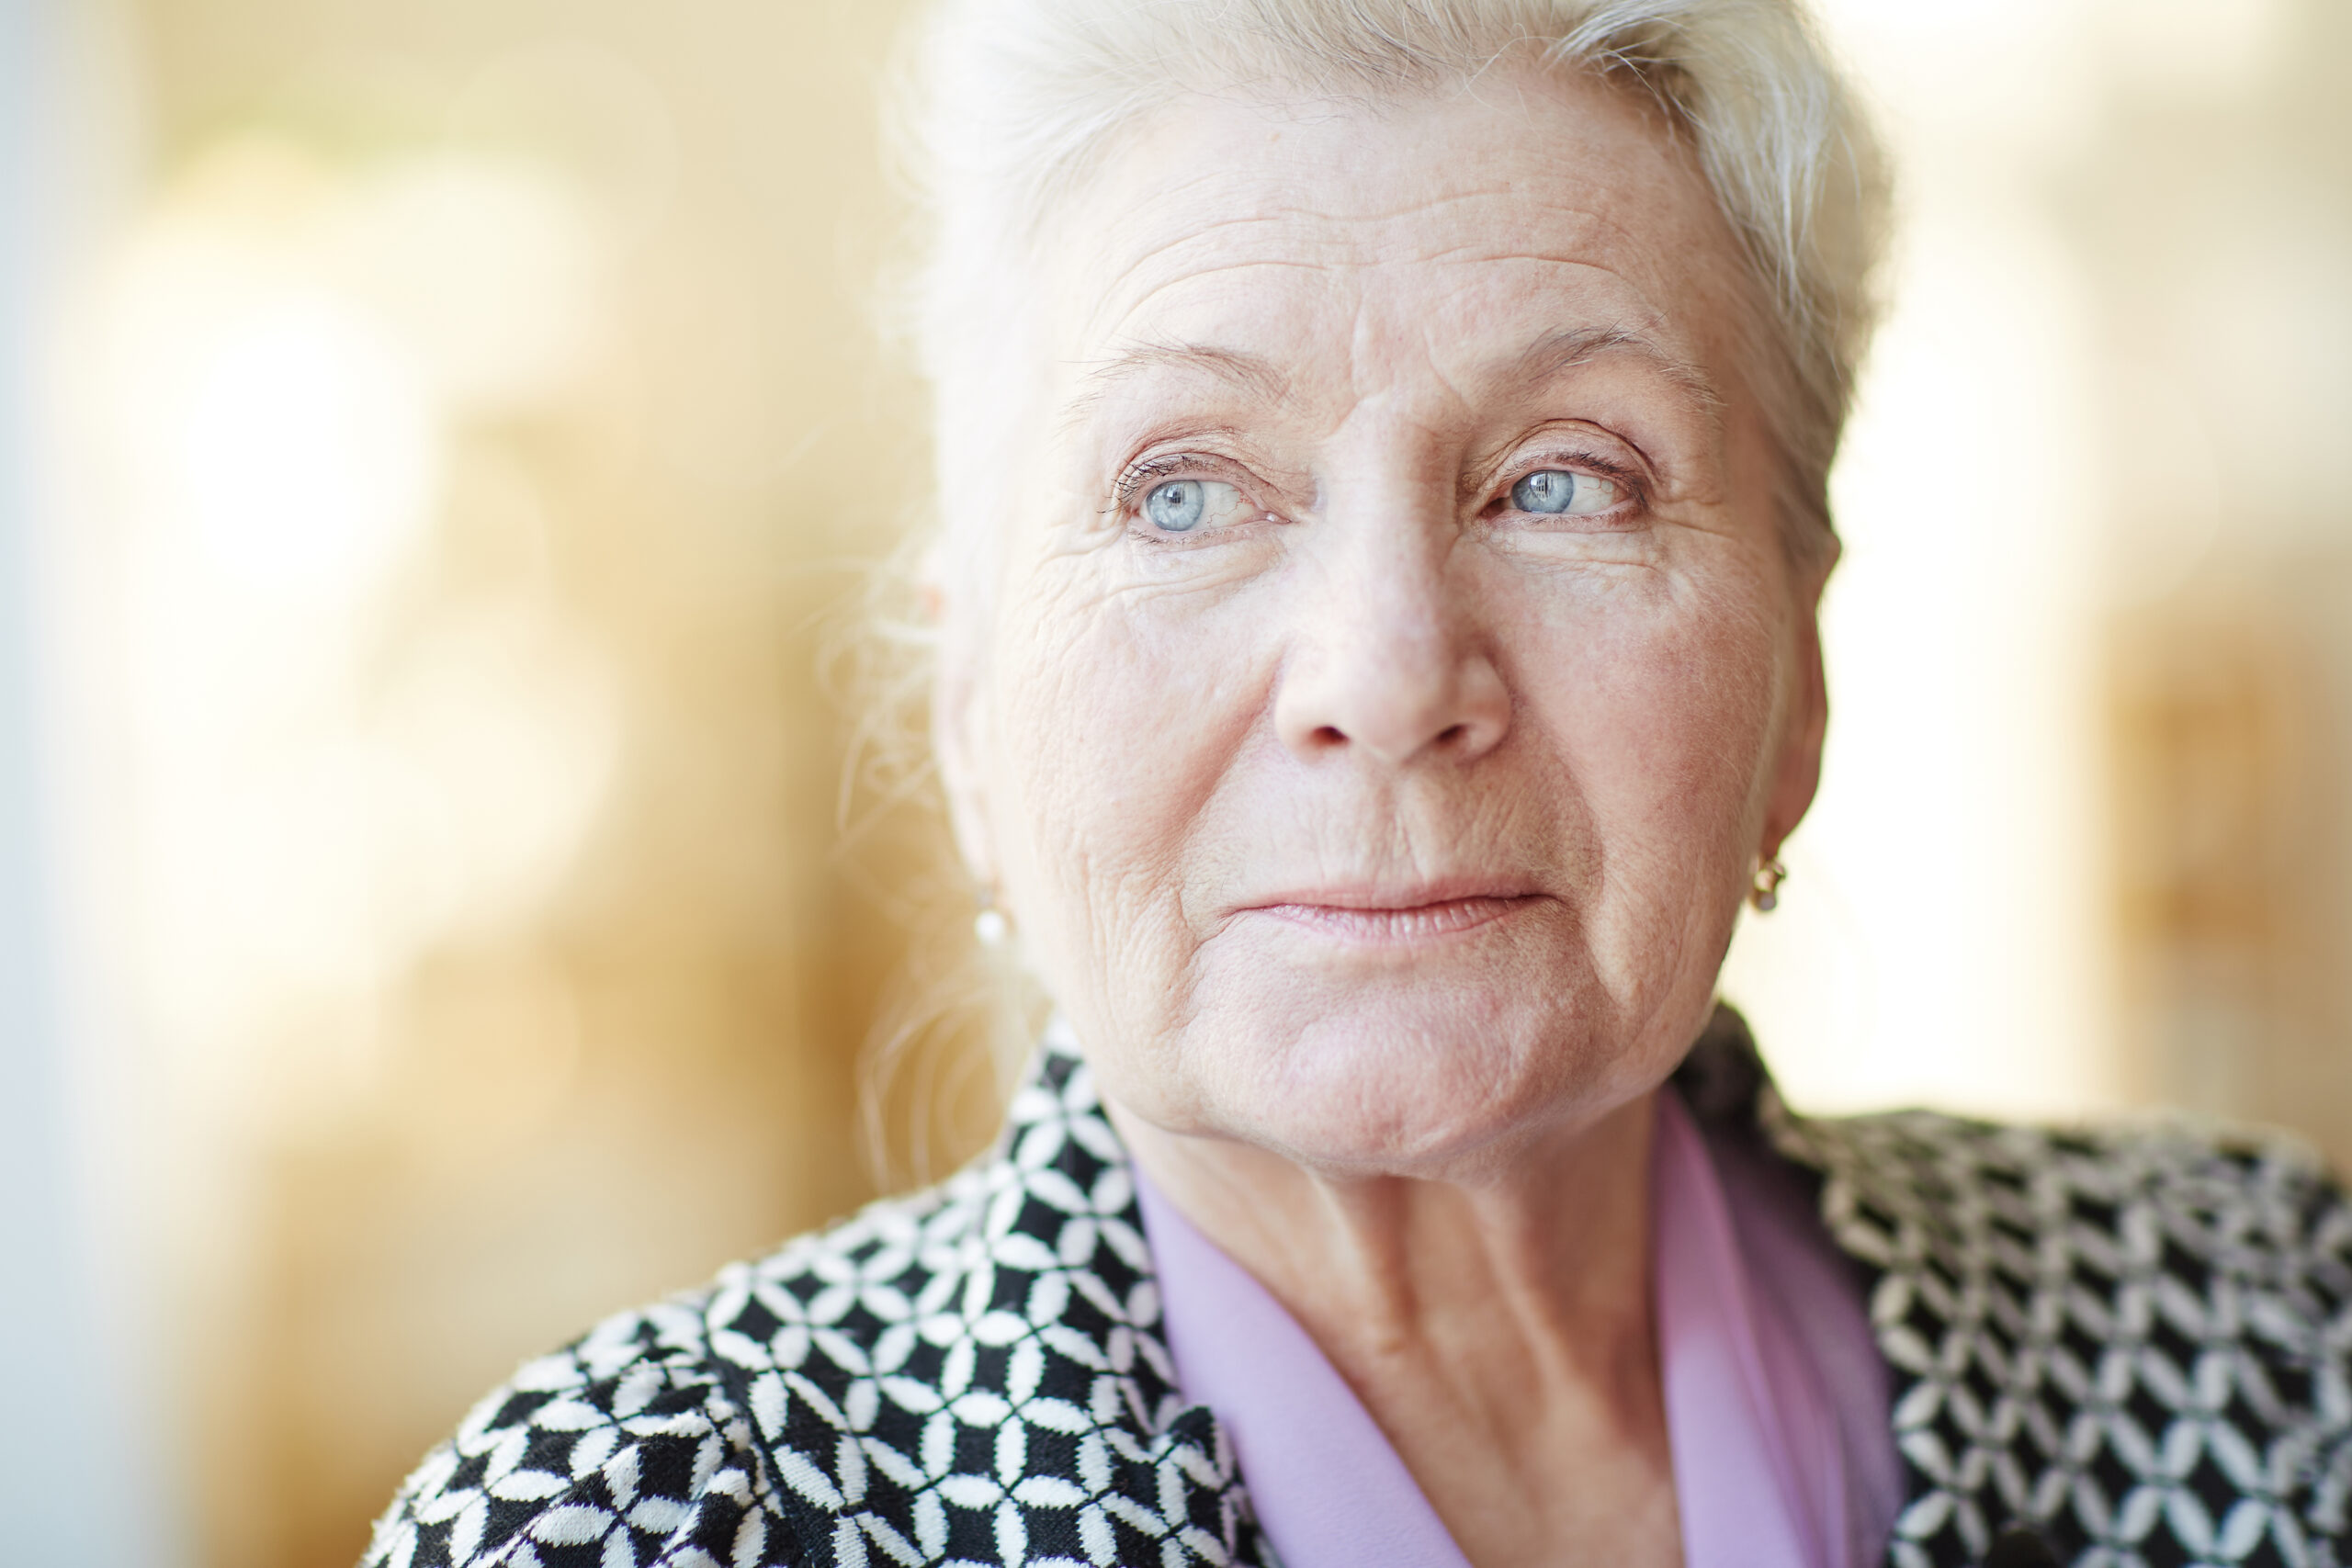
621, 1446
2137, 1340
628, 1445
863, 1376
2181, 1198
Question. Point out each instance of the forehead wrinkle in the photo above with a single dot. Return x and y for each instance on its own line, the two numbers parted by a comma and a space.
1468, 253
1115, 370
1111, 286
1247, 372
1245, 263
1298, 229
1297, 226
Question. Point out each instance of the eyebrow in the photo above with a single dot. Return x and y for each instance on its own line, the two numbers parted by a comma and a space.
1244, 372
1556, 353
1547, 357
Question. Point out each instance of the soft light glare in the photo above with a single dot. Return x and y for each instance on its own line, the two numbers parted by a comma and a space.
305, 454
325, 788
491, 270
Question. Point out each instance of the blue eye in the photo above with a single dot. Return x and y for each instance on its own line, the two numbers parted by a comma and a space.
1557, 492
1177, 506
1192, 506
1546, 489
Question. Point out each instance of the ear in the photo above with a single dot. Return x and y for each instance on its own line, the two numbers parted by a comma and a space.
1797, 774
959, 739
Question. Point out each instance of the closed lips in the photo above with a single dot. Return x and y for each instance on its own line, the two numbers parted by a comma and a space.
1395, 920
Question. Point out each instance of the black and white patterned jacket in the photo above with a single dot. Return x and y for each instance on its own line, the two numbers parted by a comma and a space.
2137, 1343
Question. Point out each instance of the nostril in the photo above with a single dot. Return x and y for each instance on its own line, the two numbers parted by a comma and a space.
1330, 734
1450, 735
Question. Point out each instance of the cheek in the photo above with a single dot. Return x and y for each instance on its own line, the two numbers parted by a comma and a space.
1119, 721
1694, 697
1664, 715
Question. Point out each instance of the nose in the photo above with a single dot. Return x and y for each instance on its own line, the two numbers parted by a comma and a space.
1390, 662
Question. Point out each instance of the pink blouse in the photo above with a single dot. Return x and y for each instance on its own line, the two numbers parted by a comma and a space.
1776, 1398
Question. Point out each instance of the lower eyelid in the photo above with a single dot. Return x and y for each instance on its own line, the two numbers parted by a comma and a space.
1624, 504
1623, 518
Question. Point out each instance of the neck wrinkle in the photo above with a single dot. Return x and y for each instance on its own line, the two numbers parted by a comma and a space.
1503, 1296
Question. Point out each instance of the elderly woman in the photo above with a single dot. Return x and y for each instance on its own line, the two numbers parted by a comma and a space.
1382, 451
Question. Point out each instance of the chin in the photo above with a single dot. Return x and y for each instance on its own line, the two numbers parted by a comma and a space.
1424, 1059
1385, 1081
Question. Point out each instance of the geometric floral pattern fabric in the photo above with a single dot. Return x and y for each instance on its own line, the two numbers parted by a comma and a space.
973, 1375
2136, 1343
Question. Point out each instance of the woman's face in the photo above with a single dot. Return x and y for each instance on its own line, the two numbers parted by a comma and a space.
1396, 669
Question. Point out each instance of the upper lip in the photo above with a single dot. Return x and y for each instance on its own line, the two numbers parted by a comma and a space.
1387, 896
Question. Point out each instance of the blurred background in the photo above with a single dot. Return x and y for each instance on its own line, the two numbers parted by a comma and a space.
443, 445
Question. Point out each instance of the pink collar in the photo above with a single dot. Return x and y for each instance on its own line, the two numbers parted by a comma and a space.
1760, 1463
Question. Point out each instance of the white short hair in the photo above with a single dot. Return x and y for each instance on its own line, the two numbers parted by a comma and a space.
1010, 103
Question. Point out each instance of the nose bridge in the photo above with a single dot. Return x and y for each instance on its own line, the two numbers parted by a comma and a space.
1389, 523
1389, 657
1391, 564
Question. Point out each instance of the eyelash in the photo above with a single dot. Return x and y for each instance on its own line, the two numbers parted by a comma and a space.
1137, 476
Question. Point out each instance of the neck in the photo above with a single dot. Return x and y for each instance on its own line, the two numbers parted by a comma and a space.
1497, 1327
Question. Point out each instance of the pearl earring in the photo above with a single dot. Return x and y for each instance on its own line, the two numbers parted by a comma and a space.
1764, 892
990, 925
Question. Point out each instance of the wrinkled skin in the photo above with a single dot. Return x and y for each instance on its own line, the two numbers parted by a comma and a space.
1380, 835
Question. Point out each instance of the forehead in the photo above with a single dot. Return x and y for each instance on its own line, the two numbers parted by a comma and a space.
1432, 230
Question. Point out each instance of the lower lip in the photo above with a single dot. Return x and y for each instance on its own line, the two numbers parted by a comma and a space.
1421, 922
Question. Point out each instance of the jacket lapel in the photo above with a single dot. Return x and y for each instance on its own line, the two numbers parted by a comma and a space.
979, 1374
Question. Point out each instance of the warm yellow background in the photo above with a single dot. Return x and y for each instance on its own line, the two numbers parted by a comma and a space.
474, 431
